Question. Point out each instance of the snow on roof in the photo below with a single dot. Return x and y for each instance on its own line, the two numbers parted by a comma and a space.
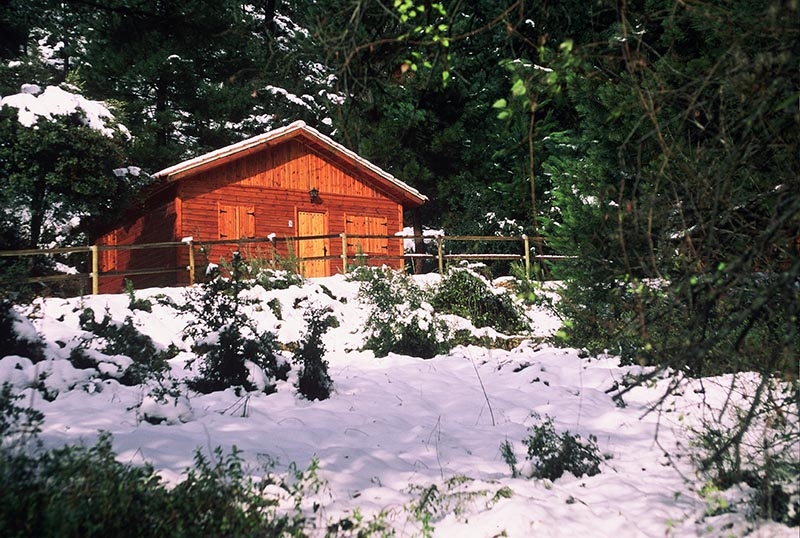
185, 168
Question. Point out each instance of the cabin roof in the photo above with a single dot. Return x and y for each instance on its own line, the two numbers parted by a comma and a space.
313, 139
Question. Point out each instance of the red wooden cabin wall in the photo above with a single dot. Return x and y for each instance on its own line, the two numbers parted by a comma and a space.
258, 194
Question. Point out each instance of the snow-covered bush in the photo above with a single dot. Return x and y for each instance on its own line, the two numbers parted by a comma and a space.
146, 361
465, 293
17, 335
225, 338
401, 320
364, 273
551, 455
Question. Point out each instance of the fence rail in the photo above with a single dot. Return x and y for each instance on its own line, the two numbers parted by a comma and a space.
440, 256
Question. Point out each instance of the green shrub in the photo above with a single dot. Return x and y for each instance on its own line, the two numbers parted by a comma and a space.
135, 303
124, 339
78, 491
551, 454
11, 342
766, 459
223, 365
400, 320
277, 279
217, 498
16, 422
313, 381
225, 337
465, 293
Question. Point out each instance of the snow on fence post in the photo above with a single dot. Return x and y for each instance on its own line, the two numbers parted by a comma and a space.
95, 270
190, 242
527, 254
343, 235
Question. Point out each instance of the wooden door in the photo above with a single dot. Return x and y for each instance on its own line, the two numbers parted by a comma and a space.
309, 224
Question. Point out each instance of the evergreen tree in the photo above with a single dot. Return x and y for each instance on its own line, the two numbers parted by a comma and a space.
196, 75
684, 168
422, 110
57, 163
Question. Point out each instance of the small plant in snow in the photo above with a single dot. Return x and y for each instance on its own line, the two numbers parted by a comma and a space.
135, 303
313, 380
551, 454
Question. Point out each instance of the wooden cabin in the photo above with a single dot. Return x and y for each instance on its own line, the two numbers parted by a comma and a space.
288, 183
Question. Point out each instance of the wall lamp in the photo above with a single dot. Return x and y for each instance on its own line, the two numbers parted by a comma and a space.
314, 194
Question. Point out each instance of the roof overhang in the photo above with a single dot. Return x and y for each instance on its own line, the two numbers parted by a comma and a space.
315, 141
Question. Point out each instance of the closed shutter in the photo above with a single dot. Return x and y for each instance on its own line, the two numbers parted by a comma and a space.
227, 221
363, 225
236, 222
247, 222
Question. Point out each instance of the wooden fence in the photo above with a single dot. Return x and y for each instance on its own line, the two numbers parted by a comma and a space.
94, 252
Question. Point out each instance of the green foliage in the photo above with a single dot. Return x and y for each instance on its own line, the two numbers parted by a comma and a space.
727, 326
78, 491
528, 285
14, 271
551, 454
136, 304
225, 338
680, 207
364, 273
217, 498
313, 380
12, 343
16, 423
124, 339
400, 319
274, 273
465, 293
510, 457
682, 217
176, 87
759, 451
57, 169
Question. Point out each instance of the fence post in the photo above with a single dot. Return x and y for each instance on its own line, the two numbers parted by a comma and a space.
439, 249
95, 270
191, 263
527, 255
343, 235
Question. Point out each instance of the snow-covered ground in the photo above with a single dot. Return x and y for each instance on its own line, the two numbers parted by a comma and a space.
396, 426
